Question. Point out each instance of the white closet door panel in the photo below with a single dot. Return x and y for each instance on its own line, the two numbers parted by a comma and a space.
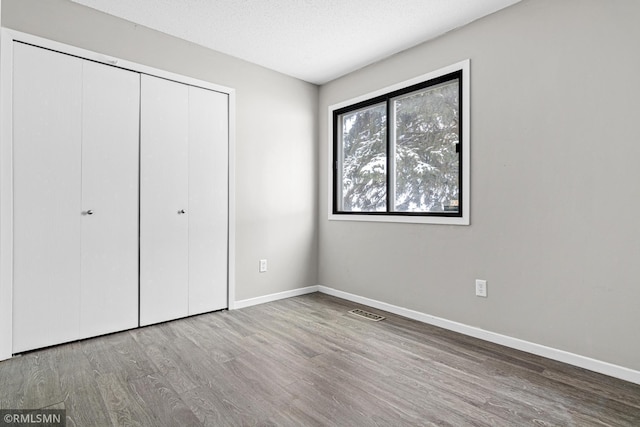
163, 196
208, 200
46, 144
110, 133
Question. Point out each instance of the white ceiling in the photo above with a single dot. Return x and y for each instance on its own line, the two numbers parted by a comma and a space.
313, 40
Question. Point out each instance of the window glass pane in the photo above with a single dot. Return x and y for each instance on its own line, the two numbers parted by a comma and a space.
363, 159
426, 161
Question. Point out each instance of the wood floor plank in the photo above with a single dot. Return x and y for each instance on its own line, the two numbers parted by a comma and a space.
406, 386
174, 358
85, 407
234, 394
121, 405
119, 354
306, 361
12, 382
218, 407
31, 381
212, 409
162, 402
220, 343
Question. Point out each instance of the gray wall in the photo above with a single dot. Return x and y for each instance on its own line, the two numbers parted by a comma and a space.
276, 173
555, 100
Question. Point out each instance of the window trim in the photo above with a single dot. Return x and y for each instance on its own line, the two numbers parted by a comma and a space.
391, 92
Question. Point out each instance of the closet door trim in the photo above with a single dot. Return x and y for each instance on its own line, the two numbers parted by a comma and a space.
8, 39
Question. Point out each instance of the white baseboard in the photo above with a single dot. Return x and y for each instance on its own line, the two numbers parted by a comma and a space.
518, 344
273, 297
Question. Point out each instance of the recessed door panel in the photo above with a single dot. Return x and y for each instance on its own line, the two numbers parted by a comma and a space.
208, 200
110, 134
47, 208
164, 210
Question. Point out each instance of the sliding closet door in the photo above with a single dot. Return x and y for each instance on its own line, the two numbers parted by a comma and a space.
110, 133
164, 209
47, 190
208, 199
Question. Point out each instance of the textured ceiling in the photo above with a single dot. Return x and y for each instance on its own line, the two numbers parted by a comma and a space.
313, 40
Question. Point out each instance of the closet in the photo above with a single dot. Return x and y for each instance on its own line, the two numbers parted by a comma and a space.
120, 198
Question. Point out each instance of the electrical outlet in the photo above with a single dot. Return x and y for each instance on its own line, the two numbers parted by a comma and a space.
263, 266
481, 288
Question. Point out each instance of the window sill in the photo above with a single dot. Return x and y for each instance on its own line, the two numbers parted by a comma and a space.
464, 220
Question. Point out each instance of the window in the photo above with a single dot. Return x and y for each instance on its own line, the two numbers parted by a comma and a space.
401, 154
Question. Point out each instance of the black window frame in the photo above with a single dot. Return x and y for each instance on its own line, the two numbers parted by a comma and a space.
388, 98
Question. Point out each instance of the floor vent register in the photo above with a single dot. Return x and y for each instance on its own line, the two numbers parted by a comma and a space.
367, 315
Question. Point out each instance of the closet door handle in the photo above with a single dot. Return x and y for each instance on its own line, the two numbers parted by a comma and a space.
89, 212
181, 211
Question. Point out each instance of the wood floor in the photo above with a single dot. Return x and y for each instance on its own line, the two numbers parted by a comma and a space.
305, 361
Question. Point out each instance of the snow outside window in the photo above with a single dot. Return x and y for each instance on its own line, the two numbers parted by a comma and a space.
401, 154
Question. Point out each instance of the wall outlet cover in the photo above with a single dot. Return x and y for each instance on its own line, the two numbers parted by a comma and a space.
481, 288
